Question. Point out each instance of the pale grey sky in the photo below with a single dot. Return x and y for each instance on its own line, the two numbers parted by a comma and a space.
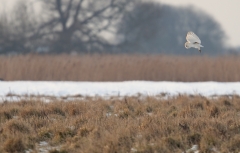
226, 12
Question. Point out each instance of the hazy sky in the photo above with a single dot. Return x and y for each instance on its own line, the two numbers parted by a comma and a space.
226, 12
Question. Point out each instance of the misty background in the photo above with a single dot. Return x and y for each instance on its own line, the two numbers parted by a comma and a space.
107, 26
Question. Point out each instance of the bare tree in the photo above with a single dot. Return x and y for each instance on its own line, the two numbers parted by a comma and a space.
79, 24
139, 25
17, 29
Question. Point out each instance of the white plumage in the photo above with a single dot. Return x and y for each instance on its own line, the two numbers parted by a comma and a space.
193, 41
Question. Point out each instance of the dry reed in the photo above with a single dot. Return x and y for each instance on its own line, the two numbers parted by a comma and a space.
120, 68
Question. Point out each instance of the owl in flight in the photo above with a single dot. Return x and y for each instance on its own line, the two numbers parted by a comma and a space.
193, 41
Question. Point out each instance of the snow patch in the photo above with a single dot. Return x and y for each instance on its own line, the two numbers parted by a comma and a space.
108, 89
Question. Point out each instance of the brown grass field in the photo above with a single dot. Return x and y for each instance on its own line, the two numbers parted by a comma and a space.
131, 124
120, 68
120, 125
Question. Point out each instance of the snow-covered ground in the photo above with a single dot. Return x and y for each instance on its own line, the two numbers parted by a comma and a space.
128, 88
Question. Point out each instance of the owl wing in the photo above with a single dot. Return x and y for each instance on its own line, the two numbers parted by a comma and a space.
192, 38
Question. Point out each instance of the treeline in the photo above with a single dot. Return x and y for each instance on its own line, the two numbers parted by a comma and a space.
106, 26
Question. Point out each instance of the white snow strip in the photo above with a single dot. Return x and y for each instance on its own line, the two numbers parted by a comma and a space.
128, 88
